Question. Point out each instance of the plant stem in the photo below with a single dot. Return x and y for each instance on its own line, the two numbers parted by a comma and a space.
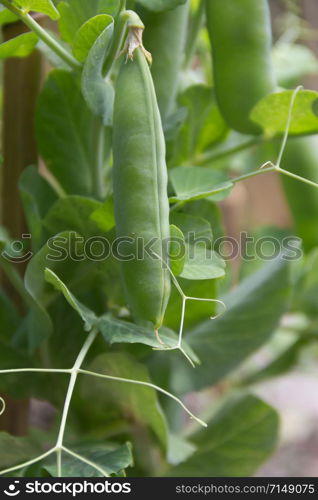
98, 167
29, 462
43, 35
196, 25
297, 177
74, 373
210, 156
34, 370
253, 174
117, 42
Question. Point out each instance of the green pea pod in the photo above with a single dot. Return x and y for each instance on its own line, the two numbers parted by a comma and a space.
140, 191
165, 37
240, 33
301, 158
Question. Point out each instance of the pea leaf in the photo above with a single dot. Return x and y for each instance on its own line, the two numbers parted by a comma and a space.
160, 5
253, 312
176, 250
98, 92
6, 16
69, 151
117, 331
86, 314
37, 197
271, 113
20, 46
111, 458
104, 216
195, 183
195, 229
179, 449
239, 438
281, 364
44, 6
15, 450
72, 213
74, 13
201, 263
88, 34
139, 402
203, 126
292, 62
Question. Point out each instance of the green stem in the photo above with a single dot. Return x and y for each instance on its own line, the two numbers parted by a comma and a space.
117, 43
146, 384
253, 174
123, 18
297, 177
43, 35
210, 156
122, 6
196, 25
98, 167
74, 373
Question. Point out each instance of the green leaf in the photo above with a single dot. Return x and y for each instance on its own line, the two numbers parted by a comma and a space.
69, 151
239, 438
195, 229
179, 449
176, 250
64, 254
195, 183
88, 33
202, 264
6, 16
271, 113
104, 216
98, 92
74, 13
37, 197
203, 126
111, 458
20, 46
117, 331
86, 314
160, 5
283, 363
253, 312
44, 6
15, 450
9, 317
139, 402
292, 62
73, 213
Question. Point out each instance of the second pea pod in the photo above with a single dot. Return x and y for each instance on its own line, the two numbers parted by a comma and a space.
240, 33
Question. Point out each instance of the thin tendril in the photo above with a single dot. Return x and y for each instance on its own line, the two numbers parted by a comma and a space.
3, 403
147, 384
185, 298
289, 119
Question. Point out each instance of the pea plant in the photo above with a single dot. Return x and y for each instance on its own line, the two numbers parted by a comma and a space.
128, 321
